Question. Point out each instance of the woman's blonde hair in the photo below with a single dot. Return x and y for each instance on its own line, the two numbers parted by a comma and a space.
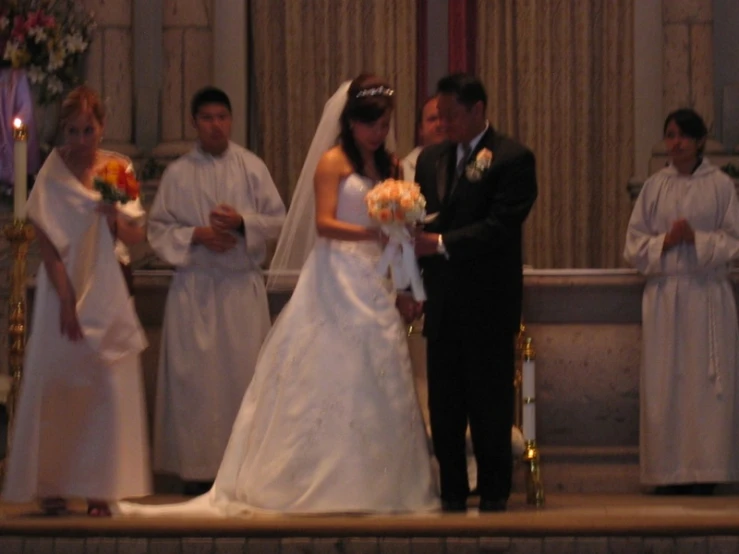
80, 100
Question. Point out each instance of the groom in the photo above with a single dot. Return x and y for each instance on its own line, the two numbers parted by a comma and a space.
483, 185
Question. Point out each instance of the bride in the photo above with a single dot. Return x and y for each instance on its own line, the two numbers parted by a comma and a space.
330, 422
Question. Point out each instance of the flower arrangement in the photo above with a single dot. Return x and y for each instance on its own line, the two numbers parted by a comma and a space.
116, 182
479, 165
47, 38
394, 201
395, 205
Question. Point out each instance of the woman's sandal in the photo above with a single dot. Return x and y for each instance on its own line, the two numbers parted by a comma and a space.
98, 509
54, 506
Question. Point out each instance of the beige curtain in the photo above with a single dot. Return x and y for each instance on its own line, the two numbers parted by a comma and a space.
304, 49
559, 75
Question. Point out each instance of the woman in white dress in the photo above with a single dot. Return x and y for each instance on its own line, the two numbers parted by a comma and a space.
330, 422
683, 236
80, 424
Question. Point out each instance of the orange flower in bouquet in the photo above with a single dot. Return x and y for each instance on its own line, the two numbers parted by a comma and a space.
394, 201
116, 183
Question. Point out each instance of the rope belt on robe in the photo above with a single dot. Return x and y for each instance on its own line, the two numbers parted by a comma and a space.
716, 274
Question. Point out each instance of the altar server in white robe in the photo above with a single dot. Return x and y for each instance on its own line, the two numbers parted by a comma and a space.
213, 214
683, 236
80, 424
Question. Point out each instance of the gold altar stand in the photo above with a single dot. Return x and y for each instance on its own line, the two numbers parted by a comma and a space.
584, 523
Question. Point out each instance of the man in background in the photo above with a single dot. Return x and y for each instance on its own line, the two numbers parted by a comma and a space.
429, 131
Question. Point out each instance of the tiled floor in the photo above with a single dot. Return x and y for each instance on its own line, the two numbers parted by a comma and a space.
590, 524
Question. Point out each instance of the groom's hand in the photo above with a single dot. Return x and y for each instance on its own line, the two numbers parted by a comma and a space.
410, 310
427, 244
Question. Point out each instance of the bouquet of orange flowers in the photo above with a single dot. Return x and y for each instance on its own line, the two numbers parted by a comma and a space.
396, 205
395, 201
116, 183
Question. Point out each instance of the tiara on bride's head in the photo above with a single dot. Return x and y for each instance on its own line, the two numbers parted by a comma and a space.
375, 91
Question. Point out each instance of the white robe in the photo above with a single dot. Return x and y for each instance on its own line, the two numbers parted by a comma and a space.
409, 164
689, 413
80, 425
216, 316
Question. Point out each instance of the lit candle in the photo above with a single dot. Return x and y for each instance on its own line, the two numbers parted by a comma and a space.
528, 392
20, 166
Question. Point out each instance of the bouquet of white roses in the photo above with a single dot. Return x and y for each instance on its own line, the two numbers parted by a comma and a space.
396, 205
47, 38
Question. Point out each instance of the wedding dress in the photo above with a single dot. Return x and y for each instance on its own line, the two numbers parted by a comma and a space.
331, 421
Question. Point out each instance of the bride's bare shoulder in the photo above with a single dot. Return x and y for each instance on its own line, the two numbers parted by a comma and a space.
336, 162
335, 155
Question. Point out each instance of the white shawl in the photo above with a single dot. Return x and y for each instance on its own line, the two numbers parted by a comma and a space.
65, 211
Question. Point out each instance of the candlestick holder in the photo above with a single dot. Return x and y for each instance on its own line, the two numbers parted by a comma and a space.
531, 457
19, 235
518, 378
534, 483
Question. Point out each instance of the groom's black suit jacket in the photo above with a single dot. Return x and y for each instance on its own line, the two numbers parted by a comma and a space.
481, 283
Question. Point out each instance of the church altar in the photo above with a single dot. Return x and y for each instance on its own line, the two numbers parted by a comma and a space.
585, 325
586, 329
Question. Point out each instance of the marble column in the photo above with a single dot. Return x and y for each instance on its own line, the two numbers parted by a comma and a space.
726, 72
230, 60
648, 89
110, 70
688, 57
187, 66
147, 50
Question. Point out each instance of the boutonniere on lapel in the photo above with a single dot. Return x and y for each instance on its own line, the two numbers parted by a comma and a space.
479, 165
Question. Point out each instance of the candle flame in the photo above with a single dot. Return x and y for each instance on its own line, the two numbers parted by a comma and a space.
17, 123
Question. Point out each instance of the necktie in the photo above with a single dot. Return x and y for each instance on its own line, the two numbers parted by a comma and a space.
459, 171
463, 160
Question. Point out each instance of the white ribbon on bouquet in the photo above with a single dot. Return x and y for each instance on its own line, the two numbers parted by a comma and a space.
400, 256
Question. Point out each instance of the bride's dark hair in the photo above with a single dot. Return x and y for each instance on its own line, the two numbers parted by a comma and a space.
369, 98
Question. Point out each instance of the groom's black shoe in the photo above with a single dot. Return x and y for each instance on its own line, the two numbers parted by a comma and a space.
488, 506
454, 506
196, 488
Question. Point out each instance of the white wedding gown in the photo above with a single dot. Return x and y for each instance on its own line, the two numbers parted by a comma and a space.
331, 421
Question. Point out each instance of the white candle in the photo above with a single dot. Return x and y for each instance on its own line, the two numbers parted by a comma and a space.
529, 379
528, 392
20, 167
529, 422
